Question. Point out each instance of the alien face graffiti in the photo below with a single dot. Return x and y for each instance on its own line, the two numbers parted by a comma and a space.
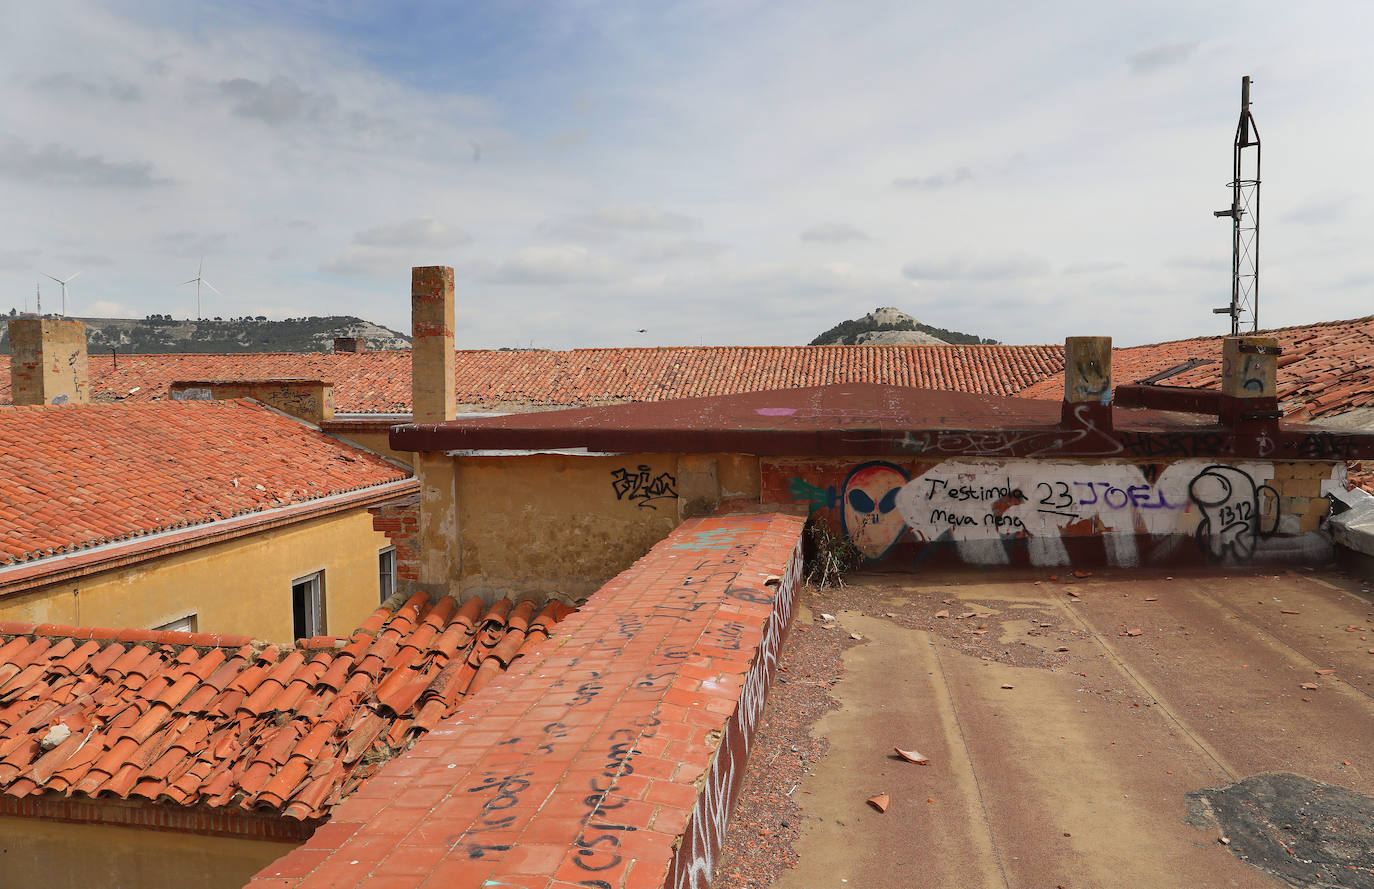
871, 519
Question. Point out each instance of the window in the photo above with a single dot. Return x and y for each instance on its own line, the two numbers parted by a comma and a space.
307, 605
386, 570
185, 624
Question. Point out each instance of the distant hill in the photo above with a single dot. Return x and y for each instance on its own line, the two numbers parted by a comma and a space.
161, 334
888, 326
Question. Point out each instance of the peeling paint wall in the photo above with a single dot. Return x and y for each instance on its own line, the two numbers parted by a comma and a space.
1044, 512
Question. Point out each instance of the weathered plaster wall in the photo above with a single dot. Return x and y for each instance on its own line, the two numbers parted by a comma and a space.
58, 855
377, 441
241, 585
548, 523
1047, 512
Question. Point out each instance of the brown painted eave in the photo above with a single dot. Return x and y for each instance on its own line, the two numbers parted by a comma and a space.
866, 419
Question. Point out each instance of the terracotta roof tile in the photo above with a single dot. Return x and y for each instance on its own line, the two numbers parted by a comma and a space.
76, 476
247, 726
379, 382
1326, 368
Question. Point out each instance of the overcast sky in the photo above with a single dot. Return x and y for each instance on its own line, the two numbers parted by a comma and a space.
723, 173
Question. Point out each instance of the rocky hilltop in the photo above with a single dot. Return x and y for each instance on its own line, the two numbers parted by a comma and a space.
161, 334
887, 326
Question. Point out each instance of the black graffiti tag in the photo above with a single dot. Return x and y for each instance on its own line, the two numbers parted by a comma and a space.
642, 486
1230, 503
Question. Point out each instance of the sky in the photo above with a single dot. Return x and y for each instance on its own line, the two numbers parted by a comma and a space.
724, 172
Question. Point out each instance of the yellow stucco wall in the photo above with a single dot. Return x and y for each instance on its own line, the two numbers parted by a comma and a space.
56, 855
550, 523
377, 442
241, 585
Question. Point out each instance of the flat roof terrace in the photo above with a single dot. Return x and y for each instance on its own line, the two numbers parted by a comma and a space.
1070, 724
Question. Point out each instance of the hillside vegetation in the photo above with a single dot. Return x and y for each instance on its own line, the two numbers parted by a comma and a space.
160, 334
875, 329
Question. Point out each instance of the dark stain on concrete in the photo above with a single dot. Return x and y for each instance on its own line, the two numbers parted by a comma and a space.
1304, 832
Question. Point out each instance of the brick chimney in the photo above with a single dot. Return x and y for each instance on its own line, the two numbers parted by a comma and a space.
432, 397
431, 343
48, 361
350, 344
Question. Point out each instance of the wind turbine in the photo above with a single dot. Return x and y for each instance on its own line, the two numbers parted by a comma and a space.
64, 288
199, 280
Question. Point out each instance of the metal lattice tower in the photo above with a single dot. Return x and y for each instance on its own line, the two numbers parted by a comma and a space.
1244, 213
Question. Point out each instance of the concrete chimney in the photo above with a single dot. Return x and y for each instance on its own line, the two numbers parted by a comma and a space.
48, 361
1249, 379
350, 344
431, 343
1088, 381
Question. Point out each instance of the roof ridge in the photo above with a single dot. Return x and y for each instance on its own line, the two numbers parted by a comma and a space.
183, 638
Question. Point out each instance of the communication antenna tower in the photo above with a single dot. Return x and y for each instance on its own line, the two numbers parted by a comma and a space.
1244, 214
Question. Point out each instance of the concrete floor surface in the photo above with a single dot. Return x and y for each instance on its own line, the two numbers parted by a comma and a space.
1065, 732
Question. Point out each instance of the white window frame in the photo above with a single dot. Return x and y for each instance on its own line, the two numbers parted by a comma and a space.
386, 574
308, 617
187, 623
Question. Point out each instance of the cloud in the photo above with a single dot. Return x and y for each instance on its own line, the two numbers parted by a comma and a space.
386, 251
833, 233
995, 269
934, 182
610, 222
565, 264
104, 308
189, 242
58, 165
675, 249
422, 232
66, 83
83, 260
1093, 267
1165, 55
1319, 211
357, 261
279, 101
18, 258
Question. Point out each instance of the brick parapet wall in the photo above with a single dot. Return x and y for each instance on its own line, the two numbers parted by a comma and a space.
609, 756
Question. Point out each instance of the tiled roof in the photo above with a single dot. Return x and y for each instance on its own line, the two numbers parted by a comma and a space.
379, 382
201, 720
1325, 368
81, 475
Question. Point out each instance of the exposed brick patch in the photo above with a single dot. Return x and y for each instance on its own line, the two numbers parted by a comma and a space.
399, 520
608, 756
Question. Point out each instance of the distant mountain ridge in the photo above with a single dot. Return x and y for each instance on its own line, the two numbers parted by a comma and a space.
886, 326
160, 334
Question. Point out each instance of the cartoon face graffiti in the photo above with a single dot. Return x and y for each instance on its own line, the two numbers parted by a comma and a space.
1232, 508
870, 511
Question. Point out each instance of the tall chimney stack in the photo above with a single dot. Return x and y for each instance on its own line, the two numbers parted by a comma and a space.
431, 343
48, 362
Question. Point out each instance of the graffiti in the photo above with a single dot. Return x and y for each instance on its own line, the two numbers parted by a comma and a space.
598, 842
1084, 439
694, 864
508, 789
1231, 508
639, 487
869, 500
994, 512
